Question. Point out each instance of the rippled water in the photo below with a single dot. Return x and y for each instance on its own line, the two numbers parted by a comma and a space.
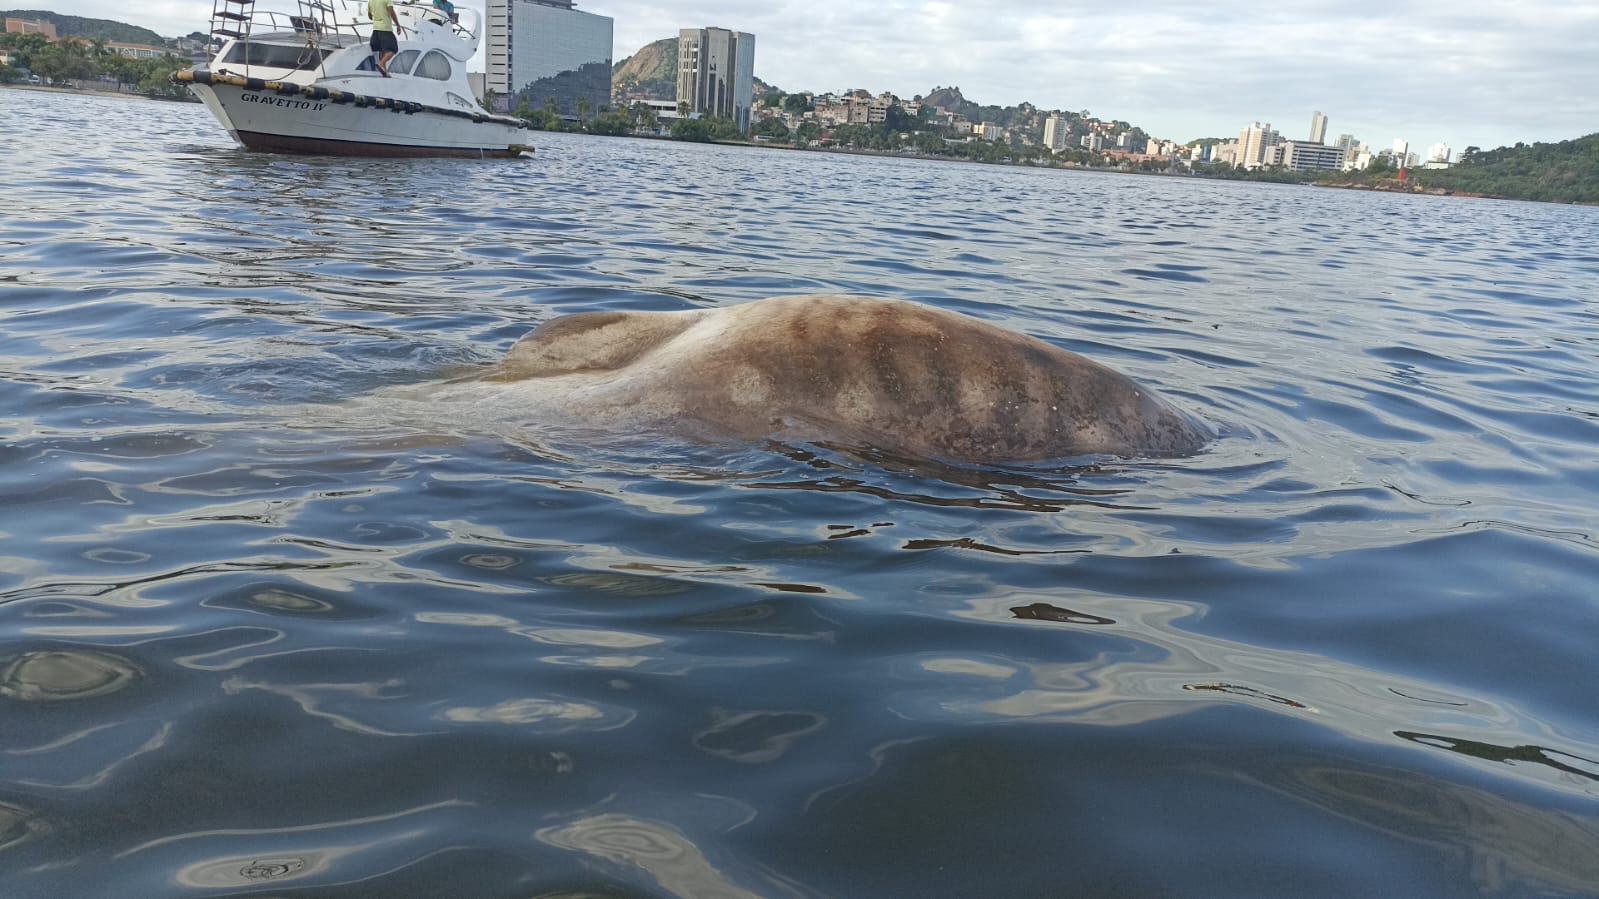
255, 641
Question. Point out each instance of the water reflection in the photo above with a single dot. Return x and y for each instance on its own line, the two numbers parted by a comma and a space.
1043, 611
131, 592
550, 715
280, 600
1251, 692
1584, 769
250, 870
56, 675
591, 637
991, 492
315, 700
350, 850
1511, 847
1168, 670
628, 844
756, 737
54, 773
969, 543
17, 824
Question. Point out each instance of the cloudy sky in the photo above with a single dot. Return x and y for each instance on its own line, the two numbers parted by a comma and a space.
1461, 72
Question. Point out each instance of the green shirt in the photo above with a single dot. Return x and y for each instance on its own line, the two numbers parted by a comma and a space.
382, 13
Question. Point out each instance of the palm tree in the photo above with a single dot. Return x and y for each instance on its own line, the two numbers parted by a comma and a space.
583, 107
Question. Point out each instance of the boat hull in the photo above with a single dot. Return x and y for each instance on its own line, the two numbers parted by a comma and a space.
284, 143
288, 118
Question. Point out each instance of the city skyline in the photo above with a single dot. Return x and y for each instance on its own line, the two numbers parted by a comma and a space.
1463, 74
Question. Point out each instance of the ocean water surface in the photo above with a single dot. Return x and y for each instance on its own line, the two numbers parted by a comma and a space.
261, 634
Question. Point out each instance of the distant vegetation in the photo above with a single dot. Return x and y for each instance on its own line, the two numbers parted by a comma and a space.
1564, 172
89, 29
73, 59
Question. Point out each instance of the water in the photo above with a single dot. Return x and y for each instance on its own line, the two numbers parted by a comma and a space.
258, 639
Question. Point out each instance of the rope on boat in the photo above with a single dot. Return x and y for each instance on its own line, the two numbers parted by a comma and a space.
334, 95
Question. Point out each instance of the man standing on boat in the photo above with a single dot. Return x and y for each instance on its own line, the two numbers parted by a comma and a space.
384, 24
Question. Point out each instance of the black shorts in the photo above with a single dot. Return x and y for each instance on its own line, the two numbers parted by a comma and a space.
384, 42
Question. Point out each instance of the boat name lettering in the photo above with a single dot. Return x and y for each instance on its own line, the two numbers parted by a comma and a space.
284, 101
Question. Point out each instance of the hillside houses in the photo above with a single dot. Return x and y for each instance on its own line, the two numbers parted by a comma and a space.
826, 119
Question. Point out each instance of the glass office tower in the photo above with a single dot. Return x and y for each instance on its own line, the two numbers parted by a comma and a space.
538, 49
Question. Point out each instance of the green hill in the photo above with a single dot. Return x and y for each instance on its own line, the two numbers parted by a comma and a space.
90, 29
1564, 172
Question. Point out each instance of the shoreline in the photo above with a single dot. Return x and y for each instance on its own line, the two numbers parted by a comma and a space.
1389, 187
96, 92
1416, 189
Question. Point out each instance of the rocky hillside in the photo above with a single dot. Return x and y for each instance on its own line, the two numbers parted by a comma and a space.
948, 98
649, 74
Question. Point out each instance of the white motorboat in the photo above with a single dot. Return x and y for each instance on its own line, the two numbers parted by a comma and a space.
304, 81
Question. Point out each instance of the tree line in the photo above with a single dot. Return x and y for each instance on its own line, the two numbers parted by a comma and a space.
1563, 172
77, 59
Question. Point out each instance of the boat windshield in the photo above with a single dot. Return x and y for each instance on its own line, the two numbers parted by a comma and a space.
275, 56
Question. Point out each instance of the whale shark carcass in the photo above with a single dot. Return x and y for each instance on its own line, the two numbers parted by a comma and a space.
890, 375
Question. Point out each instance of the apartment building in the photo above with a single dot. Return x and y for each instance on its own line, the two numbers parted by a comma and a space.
1254, 145
1056, 132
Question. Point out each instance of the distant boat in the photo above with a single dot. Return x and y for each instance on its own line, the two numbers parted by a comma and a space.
306, 82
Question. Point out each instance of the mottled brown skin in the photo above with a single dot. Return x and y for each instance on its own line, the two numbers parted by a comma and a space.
887, 374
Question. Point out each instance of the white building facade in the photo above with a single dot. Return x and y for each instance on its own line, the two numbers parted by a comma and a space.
1255, 144
716, 73
1318, 128
1311, 157
1056, 131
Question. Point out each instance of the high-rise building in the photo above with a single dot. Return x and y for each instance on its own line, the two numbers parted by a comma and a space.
1318, 128
1056, 131
538, 49
1438, 152
1253, 144
716, 73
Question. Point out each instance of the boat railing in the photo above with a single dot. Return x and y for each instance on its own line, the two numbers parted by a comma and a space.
317, 22
321, 23
463, 24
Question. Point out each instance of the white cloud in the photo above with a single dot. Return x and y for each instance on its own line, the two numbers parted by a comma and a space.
1468, 72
